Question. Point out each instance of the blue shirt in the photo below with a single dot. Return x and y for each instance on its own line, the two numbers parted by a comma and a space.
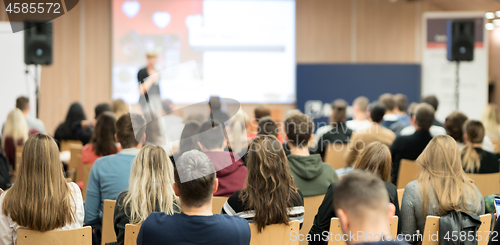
182, 229
108, 177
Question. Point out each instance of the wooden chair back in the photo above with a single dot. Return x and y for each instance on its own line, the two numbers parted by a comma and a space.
280, 234
131, 232
337, 233
432, 227
75, 167
496, 145
487, 184
80, 236
485, 228
218, 203
19, 157
108, 228
400, 196
66, 144
86, 173
311, 206
408, 172
335, 155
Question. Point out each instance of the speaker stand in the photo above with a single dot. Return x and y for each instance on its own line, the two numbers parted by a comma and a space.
457, 85
37, 92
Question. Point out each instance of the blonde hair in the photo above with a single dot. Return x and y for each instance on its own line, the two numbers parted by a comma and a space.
442, 172
119, 107
490, 118
475, 133
41, 199
150, 184
376, 158
237, 132
15, 127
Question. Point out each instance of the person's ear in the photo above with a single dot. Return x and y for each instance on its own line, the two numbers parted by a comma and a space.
176, 189
116, 138
392, 211
224, 144
216, 185
201, 146
344, 220
466, 137
143, 139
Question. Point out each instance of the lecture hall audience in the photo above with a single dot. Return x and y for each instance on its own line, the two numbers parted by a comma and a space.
270, 195
15, 133
150, 190
339, 132
491, 121
474, 158
65, 130
83, 129
311, 175
103, 141
360, 114
434, 102
23, 104
409, 130
40, 200
119, 107
375, 158
195, 183
440, 188
392, 118
454, 125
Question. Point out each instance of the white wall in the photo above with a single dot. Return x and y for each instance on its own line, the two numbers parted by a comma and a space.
13, 80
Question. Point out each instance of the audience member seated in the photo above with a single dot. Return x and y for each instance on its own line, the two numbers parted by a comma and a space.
236, 133
441, 187
433, 130
15, 133
270, 196
267, 126
150, 190
340, 133
103, 140
491, 121
391, 118
23, 104
172, 124
310, 174
215, 110
189, 140
83, 129
5, 182
363, 208
410, 146
376, 158
475, 159
401, 106
375, 133
434, 102
110, 174
195, 183
259, 112
41, 199
119, 107
360, 114
231, 173
454, 125
64, 131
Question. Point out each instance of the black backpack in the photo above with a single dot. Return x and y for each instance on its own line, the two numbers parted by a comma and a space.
4, 172
459, 228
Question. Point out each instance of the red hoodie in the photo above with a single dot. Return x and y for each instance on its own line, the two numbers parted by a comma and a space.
231, 174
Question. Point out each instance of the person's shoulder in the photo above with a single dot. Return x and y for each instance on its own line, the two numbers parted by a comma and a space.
390, 187
412, 186
74, 189
230, 224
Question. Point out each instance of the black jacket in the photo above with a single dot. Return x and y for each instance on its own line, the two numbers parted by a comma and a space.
407, 147
339, 134
326, 212
489, 162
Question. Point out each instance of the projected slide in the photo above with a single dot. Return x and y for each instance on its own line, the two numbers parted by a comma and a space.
239, 49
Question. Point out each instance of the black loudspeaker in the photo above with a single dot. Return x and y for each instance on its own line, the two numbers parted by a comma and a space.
37, 42
460, 40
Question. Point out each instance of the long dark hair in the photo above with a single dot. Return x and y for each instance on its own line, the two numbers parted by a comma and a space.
103, 137
188, 137
75, 114
269, 185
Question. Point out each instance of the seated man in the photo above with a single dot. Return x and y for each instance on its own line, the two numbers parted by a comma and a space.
34, 124
230, 172
360, 114
311, 175
434, 130
394, 118
195, 183
362, 205
110, 174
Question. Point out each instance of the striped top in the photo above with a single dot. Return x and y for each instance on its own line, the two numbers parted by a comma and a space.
235, 207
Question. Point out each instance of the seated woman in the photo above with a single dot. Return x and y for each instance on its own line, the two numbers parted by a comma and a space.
15, 133
150, 190
442, 186
270, 196
454, 125
103, 140
375, 158
474, 158
65, 131
41, 199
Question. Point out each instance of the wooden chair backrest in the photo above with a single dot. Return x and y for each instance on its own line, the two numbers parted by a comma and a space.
487, 184
66, 144
432, 227
280, 234
19, 157
408, 172
336, 232
80, 236
335, 155
218, 203
108, 228
400, 196
496, 145
75, 162
86, 173
131, 232
311, 206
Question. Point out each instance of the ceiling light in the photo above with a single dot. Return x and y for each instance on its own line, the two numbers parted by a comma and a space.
489, 26
490, 15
